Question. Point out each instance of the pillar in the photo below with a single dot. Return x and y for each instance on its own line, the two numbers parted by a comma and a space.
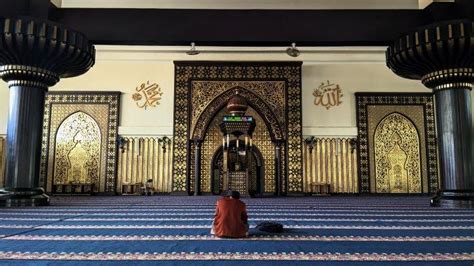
34, 55
197, 167
454, 125
441, 56
278, 164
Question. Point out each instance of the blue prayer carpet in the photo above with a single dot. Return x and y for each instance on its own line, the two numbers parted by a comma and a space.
173, 230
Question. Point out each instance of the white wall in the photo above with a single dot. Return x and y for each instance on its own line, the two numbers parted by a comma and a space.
123, 68
364, 77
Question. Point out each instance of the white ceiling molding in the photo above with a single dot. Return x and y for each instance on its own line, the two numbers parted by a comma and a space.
243, 4
309, 55
57, 3
422, 4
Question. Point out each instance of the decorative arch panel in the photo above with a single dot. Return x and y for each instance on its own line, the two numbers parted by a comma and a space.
201, 91
397, 156
261, 139
396, 141
79, 143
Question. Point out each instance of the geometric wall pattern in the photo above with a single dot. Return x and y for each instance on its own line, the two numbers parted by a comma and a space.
397, 143
253, 77
80, 139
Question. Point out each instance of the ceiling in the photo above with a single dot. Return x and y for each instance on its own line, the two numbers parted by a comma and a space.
249, 4
252, 23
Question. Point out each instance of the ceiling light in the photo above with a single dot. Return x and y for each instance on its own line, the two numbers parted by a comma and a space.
293, 51
193, 50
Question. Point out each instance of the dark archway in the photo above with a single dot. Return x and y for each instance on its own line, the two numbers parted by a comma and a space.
256, 178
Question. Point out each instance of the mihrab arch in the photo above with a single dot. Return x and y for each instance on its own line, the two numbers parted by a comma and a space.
277, 131
201, 91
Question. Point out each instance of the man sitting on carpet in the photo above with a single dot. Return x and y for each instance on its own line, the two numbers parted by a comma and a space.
230, 219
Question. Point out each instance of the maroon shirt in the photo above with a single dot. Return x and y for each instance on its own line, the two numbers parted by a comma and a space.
231, 218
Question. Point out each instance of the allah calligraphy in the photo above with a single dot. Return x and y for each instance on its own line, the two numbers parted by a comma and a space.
328, 95
147, 95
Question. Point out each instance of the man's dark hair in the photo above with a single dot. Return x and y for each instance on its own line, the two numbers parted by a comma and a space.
231, 193
235, 195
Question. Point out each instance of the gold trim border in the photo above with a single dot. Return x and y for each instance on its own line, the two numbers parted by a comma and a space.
186, 71
399, 99
76, 97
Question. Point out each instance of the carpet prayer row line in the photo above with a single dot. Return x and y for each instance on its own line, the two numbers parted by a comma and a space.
171, 229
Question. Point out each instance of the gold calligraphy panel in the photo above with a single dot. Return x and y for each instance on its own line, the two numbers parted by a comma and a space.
328, 95
144, 158
331, 161
397, 156
71, 138
3, 150
147, 95
77, 151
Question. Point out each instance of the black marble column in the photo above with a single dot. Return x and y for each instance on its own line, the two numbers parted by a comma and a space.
441, 56
34, 55
278, 162
454, 123
197, 167
24, 146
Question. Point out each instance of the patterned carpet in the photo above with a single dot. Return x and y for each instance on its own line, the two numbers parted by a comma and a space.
174, 230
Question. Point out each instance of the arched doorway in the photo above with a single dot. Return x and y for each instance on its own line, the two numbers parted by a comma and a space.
269, 150
255, 180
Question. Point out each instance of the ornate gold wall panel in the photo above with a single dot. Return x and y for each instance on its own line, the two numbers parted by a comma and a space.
100, 107
201, 89
212, 142
332, 161
269, 97
397, 156
417, 108
261, 140
143, 158
77, 152
3, 150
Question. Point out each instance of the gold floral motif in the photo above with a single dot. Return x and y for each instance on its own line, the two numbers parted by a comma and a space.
397, 156
77, 151
212, 142
204, 92
418, 108
261, 140
289, 73
103, 108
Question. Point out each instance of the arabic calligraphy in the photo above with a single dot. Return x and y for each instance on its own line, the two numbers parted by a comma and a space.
147, 95
328, 95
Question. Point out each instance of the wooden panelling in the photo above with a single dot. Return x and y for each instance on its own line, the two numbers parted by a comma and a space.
331, 161
144, 158
3, 145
